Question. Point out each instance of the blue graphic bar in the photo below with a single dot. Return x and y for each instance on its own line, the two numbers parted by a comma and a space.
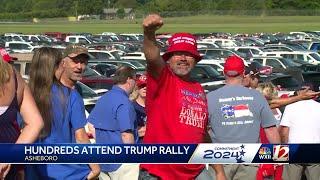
96, 153
159, 153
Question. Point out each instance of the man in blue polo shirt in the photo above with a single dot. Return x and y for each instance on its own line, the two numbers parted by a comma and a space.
114, 120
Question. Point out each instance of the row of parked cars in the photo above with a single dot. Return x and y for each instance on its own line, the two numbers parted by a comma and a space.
287, 62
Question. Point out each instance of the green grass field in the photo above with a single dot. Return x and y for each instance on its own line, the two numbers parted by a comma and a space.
194, 24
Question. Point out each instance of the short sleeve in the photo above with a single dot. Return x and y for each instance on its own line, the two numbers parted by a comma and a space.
126, 117
153, 84
78, 117
285, 121
266, 115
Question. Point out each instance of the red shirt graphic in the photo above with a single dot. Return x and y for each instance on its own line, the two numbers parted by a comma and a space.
177, 112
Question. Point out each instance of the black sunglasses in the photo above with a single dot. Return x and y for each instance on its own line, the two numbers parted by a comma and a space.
79, 59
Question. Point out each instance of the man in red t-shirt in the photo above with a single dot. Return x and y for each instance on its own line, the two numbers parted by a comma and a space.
176, 106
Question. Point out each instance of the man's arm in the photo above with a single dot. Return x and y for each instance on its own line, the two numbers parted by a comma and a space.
151, 50
218, 168
284, 133
207, 137
279, 102
272, 134
127, 137
82, 138
302, 95
33, 122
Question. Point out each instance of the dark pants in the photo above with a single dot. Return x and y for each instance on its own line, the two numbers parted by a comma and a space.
145, 175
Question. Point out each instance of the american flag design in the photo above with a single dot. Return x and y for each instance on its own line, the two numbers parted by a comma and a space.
236, 111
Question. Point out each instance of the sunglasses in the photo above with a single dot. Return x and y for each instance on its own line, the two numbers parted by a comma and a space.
142, 86
183, 54
254, 75
79, 59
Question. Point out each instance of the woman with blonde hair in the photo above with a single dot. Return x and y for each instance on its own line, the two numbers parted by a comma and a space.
15, 96
64, 116
138, 96
270, 92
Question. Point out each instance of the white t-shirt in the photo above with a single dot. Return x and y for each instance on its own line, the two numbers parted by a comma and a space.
3, 109
303, 120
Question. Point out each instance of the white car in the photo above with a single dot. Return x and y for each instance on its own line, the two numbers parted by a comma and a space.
250, 50
102, 54
222, 42
216, 64
78, 40
21, 47
306, 56
206, 45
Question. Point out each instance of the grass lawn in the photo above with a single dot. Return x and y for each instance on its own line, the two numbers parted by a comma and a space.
194, 24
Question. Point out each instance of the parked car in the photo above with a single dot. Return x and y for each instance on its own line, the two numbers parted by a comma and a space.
282, 81
278, 64
222, 42
250, 41
78, 39
135, 65
310, 67
306, 56
108, 55
263, 70
221, 53
21, 47
60, 36
280, 47
99, 83
208, 77
250, 51
206, 45
88, 95
105, 69
312, 78
216, 64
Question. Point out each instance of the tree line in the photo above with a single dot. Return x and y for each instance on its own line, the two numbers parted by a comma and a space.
19, 9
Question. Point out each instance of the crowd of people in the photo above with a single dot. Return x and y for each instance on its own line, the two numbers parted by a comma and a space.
163, 106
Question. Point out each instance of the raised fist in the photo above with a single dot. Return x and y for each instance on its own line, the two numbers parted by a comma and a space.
152, 23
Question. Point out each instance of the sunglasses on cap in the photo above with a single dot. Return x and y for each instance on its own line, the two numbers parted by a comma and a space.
253, 74
79, 59
142, 86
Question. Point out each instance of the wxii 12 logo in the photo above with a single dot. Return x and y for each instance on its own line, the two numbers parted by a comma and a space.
280, 152
264, 153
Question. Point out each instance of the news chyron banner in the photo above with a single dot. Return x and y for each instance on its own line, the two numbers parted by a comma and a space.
159, 153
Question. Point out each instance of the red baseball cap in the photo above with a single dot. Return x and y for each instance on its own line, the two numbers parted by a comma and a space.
5, 56
142, 80
233, 66
182, 42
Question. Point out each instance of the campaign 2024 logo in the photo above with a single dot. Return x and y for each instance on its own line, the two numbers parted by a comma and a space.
280, 152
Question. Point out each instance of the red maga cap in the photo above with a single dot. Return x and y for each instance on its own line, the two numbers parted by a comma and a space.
182, 42
5, 56
142, 80
233, 66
